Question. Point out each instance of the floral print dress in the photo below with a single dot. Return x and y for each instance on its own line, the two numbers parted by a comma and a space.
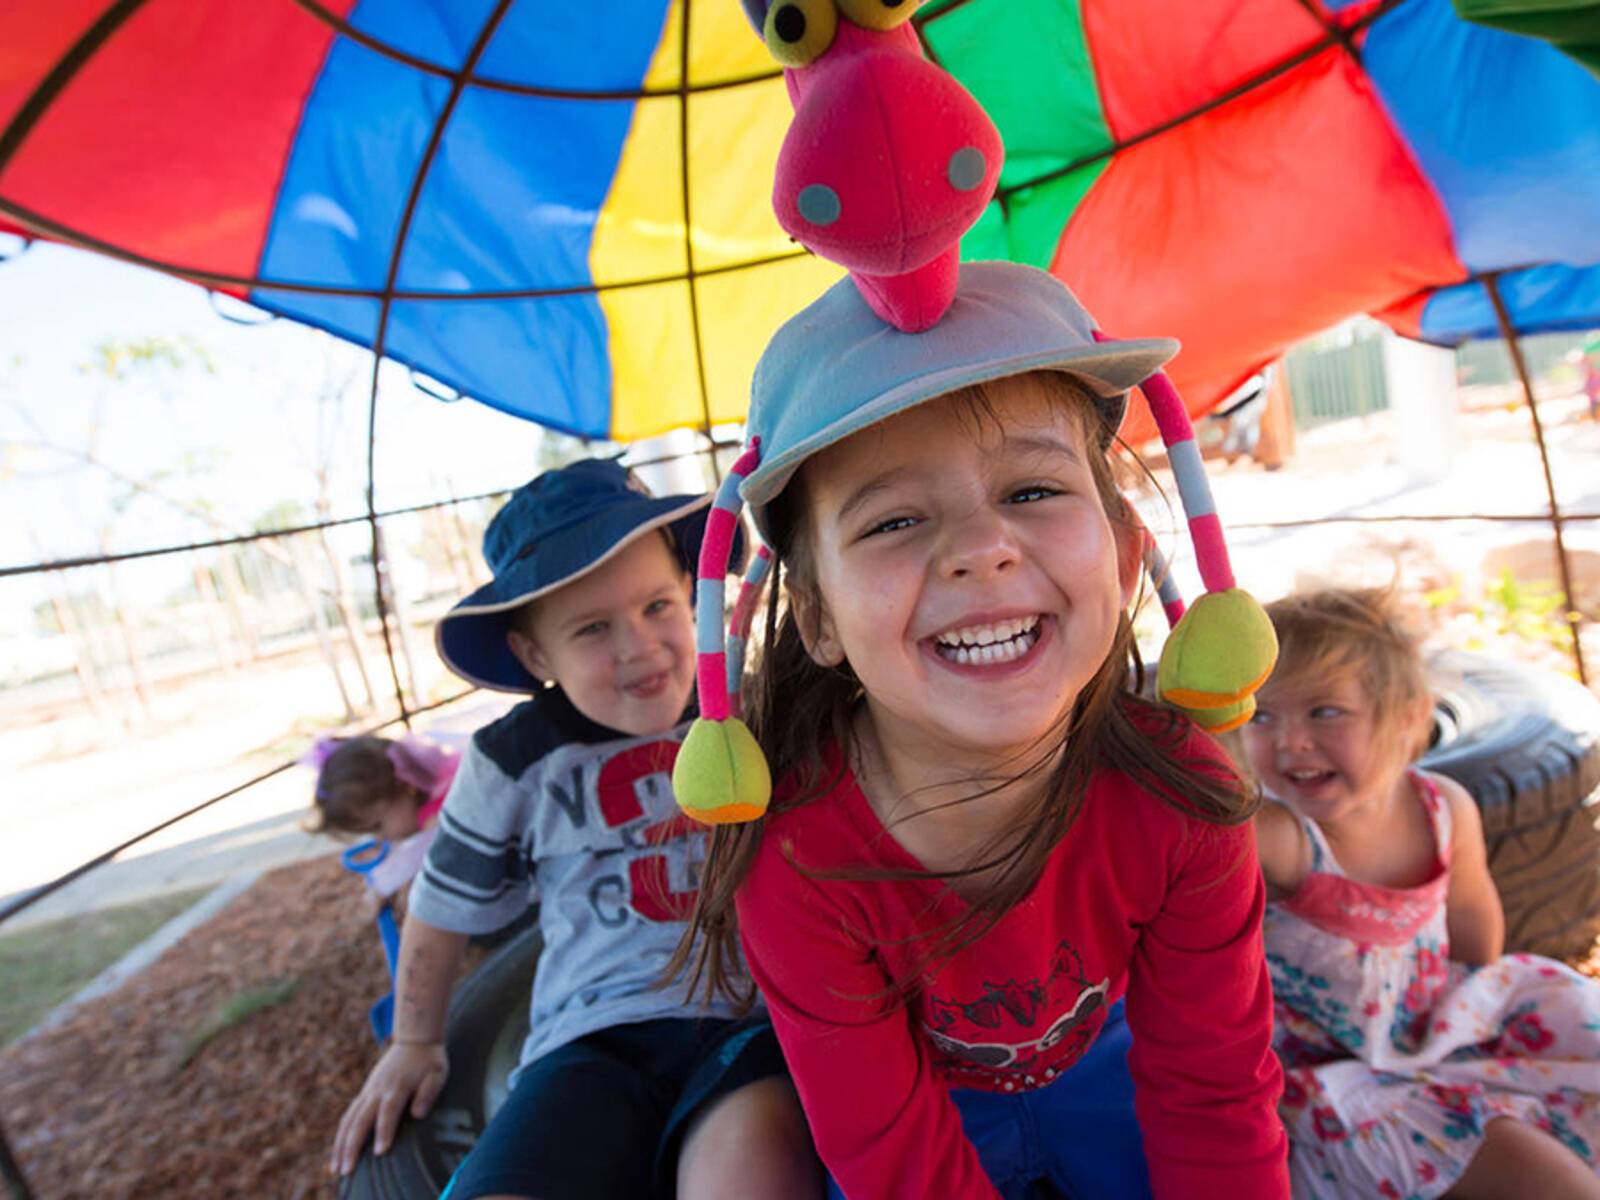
1394, 1057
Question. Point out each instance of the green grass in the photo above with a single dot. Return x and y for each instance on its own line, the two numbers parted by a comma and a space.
45, 964
237, 1008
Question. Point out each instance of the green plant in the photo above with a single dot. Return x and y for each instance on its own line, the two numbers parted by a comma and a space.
44, 964
1533, 614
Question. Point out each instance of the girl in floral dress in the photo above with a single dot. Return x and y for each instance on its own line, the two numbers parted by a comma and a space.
1419, 1061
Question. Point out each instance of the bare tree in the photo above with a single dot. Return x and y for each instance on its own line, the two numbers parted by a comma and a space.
338, 374
149, 363
287, 515
83, 665
205, 588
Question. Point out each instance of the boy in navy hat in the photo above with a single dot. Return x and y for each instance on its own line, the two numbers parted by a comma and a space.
622, 1090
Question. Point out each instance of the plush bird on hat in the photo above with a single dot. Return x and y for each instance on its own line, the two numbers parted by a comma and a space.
887, 163
888, 160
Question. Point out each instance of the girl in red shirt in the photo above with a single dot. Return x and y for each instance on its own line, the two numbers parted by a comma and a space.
1005, 914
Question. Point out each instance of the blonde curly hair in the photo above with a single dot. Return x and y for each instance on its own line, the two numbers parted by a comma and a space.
1360, 631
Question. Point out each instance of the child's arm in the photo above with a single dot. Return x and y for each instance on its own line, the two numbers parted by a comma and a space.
1200, 1009
1282, 848
883, 1123
1473, 916
413, 1068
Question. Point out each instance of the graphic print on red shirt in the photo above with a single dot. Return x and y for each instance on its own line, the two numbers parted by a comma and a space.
971, 1033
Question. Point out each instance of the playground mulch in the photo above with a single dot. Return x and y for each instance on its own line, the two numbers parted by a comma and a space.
222, 1069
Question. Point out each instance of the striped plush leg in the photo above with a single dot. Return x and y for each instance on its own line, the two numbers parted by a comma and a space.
1223, 648
721, 775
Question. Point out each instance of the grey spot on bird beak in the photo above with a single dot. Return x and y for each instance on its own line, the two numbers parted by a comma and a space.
819, 203
966, 168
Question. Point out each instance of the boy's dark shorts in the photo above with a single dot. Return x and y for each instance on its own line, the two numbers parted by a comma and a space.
604, 1116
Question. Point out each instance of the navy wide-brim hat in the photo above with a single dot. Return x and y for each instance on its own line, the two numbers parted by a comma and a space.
552, 531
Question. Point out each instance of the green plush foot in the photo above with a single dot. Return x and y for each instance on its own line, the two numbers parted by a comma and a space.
1229, 716
1220, 653
721, 776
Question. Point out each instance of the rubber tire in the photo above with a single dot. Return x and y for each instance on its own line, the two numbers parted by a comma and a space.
1526, 743
488, 1021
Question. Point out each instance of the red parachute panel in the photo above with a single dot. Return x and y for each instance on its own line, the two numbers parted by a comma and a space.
221, 102
31, 49
1154, 65
1250, 198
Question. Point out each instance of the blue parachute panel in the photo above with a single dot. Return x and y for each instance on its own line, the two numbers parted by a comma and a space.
437, 31
579, 47
360, 143
351, 317
1528, 128
1540, 299
512, 198
547, 360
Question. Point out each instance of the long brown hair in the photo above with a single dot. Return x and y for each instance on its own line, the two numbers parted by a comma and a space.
798, 709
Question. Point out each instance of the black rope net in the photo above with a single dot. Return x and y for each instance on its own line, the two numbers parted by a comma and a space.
1339, 34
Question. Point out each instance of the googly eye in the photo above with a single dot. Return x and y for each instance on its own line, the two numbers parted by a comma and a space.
798, 32
881, 15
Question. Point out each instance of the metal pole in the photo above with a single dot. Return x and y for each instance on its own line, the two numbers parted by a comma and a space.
1491, 281
688, 239
378, 581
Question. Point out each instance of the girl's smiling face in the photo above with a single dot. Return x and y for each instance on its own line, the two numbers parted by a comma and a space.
966, 568
1317, 742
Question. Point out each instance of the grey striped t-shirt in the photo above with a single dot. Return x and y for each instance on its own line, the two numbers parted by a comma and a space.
549, 806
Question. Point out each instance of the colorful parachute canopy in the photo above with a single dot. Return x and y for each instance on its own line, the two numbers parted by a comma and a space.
566, 213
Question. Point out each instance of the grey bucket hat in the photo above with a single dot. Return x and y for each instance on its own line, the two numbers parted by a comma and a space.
835, 367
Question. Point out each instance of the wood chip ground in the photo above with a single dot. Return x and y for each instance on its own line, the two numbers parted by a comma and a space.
105, 1105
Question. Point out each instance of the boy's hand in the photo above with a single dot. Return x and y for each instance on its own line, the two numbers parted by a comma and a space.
409, 1074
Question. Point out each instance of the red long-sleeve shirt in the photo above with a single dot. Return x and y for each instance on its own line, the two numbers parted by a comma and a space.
1137, 899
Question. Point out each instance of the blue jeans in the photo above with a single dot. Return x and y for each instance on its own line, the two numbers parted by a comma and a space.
1078, 1135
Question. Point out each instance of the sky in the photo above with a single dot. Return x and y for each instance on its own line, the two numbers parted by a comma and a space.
247, 400
239, 427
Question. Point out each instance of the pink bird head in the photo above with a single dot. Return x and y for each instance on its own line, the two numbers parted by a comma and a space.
888, 160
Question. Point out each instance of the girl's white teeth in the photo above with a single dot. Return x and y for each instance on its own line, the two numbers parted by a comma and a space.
984, 644
985, 635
